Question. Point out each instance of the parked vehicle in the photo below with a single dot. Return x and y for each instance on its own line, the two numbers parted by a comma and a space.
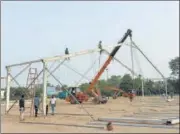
77, 95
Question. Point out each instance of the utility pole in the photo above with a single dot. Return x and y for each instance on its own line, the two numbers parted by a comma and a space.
132, 59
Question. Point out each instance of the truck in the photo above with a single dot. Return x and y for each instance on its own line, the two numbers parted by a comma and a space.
78, 95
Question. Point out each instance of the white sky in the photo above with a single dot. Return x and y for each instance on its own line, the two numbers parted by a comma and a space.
31, 30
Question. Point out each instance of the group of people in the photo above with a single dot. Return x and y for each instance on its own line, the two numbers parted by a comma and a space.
51, 103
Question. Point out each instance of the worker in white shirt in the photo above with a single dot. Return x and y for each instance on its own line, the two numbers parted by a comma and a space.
53, 103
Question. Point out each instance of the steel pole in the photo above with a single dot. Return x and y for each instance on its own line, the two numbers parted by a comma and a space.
165, 80
132, 60
152, 65
8, 85
142, 82
44, 86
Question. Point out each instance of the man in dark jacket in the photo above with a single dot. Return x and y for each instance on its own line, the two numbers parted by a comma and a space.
36, 105
21, 107
66, 53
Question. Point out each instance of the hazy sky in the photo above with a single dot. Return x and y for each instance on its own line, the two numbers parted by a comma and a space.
31, 30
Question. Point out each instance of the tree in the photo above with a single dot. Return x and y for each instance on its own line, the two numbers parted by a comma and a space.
114, 80
16, 92
174, 83
148, 87
126, 82
38, 91
138, 85
174, 66
49, 84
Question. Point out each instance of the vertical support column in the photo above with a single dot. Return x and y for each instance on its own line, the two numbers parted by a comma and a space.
44, 86
8, 85
132, 60
165, 80
142, 90
142, 82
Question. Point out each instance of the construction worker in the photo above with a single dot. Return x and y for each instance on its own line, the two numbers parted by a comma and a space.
53, 104
73, 92
47, 105
100, 46
36, 105
131, 95
67, 52
21, 107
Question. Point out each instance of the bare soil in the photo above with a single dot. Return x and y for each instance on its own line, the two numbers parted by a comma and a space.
66, 117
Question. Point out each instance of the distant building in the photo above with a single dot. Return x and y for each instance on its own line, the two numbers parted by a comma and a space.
51, 91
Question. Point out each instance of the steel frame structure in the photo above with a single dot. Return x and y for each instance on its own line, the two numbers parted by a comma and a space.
44, 61
45, 70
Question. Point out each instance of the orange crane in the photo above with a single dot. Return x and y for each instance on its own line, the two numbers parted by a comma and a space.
96, 92
118, 90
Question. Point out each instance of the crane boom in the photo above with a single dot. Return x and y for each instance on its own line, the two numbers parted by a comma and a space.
114, 89
107, 62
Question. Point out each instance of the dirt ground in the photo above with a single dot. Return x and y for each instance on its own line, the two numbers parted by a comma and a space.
64, 119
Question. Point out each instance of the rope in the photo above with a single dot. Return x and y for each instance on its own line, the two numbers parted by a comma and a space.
87, 71
137, 61
76, 72
72, 96
140, 69
94, 71
57, 67
52, 65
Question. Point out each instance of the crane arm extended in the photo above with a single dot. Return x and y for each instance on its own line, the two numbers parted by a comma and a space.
114, 89
107, 62
118, 90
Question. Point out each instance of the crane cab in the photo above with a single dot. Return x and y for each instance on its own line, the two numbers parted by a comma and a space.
78, 95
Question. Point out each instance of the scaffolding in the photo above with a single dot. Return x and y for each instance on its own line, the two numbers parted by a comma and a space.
45, 70
32, 82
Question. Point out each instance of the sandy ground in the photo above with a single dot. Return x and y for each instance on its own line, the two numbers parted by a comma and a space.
64, 120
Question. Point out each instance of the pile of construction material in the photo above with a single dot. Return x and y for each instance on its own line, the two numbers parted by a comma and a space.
158, 120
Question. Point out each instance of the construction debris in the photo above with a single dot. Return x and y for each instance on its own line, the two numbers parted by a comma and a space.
134, 120
134, 125
60, 124
173, 121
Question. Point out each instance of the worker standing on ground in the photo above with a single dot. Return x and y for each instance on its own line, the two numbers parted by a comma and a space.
21, 107
53, 104
67, 53
36, 105
131, 95
47, 105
